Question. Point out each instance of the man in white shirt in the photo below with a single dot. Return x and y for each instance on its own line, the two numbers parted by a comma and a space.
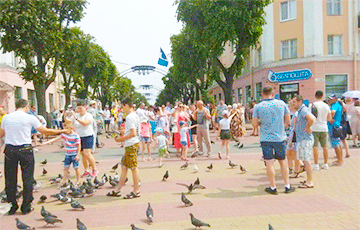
131, 143
320, 129
16, 127
107, 118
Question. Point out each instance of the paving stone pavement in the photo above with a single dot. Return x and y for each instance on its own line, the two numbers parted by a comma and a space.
231, 200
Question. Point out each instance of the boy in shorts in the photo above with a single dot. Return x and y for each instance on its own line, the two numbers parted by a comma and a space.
72, 151
162, 143
131, 143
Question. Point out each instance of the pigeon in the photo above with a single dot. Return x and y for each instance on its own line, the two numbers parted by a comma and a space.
195, 168
197, 182
80, 225
104, 177
149, 213
65, 199
116, 177
113, 182
189, 187
21, 225
37, 185
98, 184
51, 220
166, 175
185, 200
96, 181
56, 179
271, 227
184, 166
115, 167
197, 223
76, 194
57, 195
44, 172
232, 165
76, 205
44, 162
210, 167
44, 213
42, 199
242, 169
133, 227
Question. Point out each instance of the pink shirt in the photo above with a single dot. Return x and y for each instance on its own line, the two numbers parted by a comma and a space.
145, 129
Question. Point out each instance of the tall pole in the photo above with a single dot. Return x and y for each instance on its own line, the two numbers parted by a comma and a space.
355, 36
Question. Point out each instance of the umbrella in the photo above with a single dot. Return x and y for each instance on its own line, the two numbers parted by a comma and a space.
352, 94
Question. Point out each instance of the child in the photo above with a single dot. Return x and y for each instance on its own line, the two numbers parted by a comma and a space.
162, 143
72, 151
224, 125
183, 139
145, 136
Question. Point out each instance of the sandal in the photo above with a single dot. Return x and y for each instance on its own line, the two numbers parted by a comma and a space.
306, 186
132, 195
114, 194
296, 174
219, 155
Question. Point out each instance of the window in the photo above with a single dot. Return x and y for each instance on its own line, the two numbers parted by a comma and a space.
215, 97
248, 94
219, 96
51, 102
289, 49
18, 93
258, 88
333, 7
335, 84
239, 94
334, 45
31, 97
288, 10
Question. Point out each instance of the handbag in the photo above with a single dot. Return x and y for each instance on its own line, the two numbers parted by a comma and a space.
337, 131
294, 138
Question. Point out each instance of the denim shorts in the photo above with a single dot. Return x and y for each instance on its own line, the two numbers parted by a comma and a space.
87, 142
70, 159
334, 142
145, 139
183, 143
273, 150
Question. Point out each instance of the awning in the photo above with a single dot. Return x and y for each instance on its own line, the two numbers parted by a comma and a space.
6, 87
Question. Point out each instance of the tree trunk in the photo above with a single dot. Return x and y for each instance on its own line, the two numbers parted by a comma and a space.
67, 97
40, 90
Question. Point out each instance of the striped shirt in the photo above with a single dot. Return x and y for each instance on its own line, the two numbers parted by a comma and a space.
71, 143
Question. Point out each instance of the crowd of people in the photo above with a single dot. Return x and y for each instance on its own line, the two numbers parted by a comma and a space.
289, 133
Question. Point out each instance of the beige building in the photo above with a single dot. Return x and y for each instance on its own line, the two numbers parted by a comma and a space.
320, 37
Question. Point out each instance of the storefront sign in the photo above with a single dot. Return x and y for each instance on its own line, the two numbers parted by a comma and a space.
294, 75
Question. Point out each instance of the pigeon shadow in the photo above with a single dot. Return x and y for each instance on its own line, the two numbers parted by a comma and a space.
49, 226
40, 219
227, 193
182, 206
75, 210
146, 221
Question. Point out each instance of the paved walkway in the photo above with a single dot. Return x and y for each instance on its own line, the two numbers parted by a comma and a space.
231, 200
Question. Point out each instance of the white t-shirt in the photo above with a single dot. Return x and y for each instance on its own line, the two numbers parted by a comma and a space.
323, 110
142, 113
132, 122
183, 131
225, 123
82, 130
161, 139
107, 115
17, 126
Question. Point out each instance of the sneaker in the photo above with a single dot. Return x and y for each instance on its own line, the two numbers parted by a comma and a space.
86, 174
325, 166
316, 167
271, 191
94, 173
241, 145
289, 190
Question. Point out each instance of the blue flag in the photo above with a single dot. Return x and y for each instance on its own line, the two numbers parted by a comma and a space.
163, 59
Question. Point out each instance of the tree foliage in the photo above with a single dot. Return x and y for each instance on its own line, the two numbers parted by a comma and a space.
33, 29
214, 23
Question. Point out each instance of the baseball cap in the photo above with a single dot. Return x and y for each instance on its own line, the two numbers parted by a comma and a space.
158, 129
225, 113
332, 96
181, 123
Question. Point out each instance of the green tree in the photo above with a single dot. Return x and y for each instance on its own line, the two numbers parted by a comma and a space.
72, 56
122, 88
214, 23
104, 90
33, 29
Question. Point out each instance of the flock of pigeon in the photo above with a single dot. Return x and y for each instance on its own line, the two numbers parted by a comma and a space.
70, 192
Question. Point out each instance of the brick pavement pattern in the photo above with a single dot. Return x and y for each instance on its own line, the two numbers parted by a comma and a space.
231, 200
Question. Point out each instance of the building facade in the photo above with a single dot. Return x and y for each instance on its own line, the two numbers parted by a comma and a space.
13, 87
320, 36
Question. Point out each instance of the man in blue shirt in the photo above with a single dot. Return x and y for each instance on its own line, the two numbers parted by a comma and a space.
304, 138
272, 116
336, 112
